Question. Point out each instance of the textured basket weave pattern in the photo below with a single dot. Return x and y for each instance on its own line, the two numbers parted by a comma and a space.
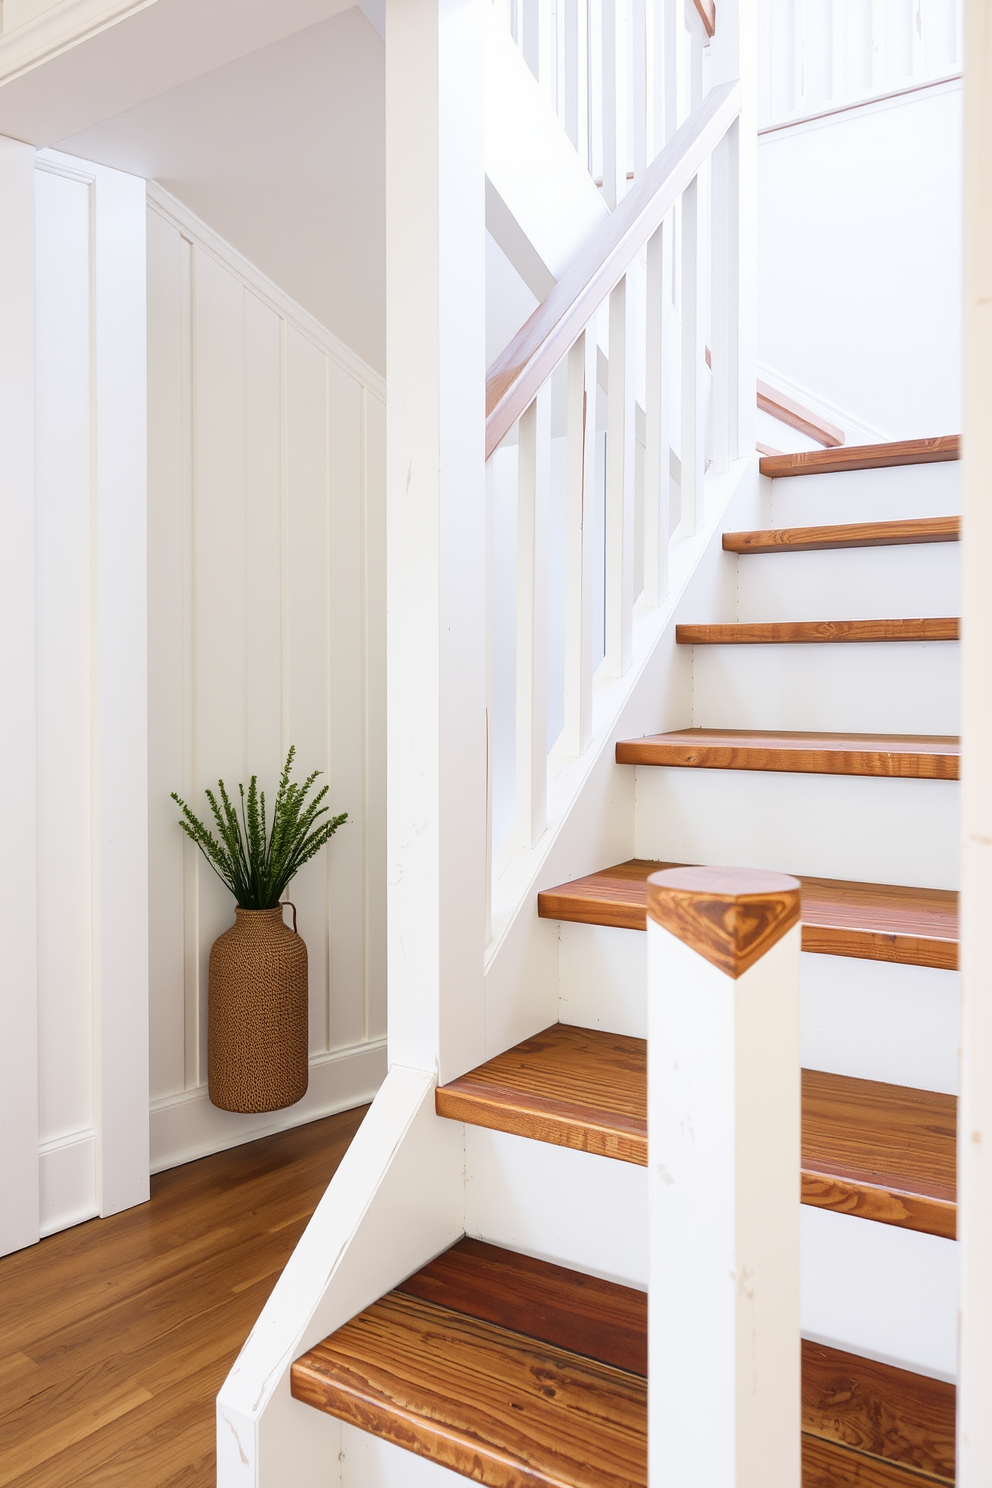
258, 1023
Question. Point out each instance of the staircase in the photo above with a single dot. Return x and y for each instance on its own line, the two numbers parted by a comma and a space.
513, 1370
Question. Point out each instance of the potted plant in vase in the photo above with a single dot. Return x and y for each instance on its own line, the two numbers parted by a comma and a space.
257, 1028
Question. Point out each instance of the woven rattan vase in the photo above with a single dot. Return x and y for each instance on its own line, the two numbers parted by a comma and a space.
257, 1034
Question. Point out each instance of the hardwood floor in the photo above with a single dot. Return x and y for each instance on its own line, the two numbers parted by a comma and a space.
116, 1335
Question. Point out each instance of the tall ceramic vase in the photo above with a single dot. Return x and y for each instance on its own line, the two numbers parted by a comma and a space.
257, 1037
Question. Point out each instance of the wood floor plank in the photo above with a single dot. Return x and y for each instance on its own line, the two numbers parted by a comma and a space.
881, 1152
874, 1408
873, 922
818, 632
863, 457
893, 756
844, 535
569, 1309
121, 1331
494, 1405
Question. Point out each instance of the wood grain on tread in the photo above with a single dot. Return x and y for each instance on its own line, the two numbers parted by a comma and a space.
902, 756
729, 916
876, 1409
817, 632
863, 457
570, 1309
494, 1405
828, 1465
881, 1152
844, 535
871, 922
574, 1087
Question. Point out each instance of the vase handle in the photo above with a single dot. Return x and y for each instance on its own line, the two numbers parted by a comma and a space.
288, 904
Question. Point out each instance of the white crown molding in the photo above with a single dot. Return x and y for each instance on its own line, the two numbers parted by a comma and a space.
64, 25
192, 227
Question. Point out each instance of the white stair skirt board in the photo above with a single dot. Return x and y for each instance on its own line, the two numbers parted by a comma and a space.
369, 1462
899, 491
872, 1020
573, 1208
830, 826
67, 1181
878, 1290
906, 687
186, 1126
851, 583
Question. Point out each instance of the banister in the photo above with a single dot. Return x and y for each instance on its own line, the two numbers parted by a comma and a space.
516, 375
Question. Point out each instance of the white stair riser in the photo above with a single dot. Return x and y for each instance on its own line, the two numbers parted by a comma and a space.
888, 495
900, 688
874, 1020
851, 583
830, 826
881, 1291
369, 1462
866, 1287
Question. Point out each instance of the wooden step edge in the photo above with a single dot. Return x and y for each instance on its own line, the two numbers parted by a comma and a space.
820, 632
441, 1384
694, 750
881, 1202
543, 1120
914, 530
863, 457
829, 1464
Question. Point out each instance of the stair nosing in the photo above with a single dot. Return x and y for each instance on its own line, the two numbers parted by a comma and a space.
842, 536
883, 756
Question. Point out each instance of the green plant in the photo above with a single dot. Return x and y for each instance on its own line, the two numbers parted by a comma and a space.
257, 864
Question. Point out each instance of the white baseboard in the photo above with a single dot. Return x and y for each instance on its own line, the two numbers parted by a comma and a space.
67, 1181
186, 1126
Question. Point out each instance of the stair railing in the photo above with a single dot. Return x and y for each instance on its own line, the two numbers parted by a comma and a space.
609, 353
616, 72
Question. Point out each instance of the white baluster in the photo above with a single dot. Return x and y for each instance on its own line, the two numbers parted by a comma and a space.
693, 455
838, 53
614, 100
580, 487
641, 64
801, 73
723, 1152
490, 647
878, 57
620, 475
533, 501
659, 316
726, 310
530, 45
572, 16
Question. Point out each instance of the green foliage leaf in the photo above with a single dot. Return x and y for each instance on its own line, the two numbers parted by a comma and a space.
257, 864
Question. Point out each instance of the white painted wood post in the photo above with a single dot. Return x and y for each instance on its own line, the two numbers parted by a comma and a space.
533, 502
580, 480
19, 1209
436, 533
620, 480
657, 420
693, 450
974, 1417
724, 1161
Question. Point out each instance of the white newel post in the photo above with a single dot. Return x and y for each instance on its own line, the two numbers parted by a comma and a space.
724, 1163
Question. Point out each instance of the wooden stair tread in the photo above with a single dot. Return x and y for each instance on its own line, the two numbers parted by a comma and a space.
863, 457
844, 535
491, 1403
883, 1152
915, 756
817, 632
440, 1365
840, 917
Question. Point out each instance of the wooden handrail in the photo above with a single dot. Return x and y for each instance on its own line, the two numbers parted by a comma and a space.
772, 400
516, 376
706, 11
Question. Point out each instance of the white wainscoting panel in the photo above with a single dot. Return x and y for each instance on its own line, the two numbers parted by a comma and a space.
266, 628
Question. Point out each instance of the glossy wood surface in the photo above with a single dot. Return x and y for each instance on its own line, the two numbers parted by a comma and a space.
797, 416
498, 1406
518, 373
574, 1087
844, 535
706, 11
569, 1309
902, 756
729, 916
881, 1152
828, 1465
888, 1413
817, 632
115, 1336
864, 457
872, 922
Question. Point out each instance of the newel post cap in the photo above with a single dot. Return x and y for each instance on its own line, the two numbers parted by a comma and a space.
731, 916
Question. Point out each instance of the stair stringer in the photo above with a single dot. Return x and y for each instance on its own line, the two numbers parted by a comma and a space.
591, 799
395, 1202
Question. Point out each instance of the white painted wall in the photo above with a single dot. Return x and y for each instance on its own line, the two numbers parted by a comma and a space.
266, 628
859, 265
